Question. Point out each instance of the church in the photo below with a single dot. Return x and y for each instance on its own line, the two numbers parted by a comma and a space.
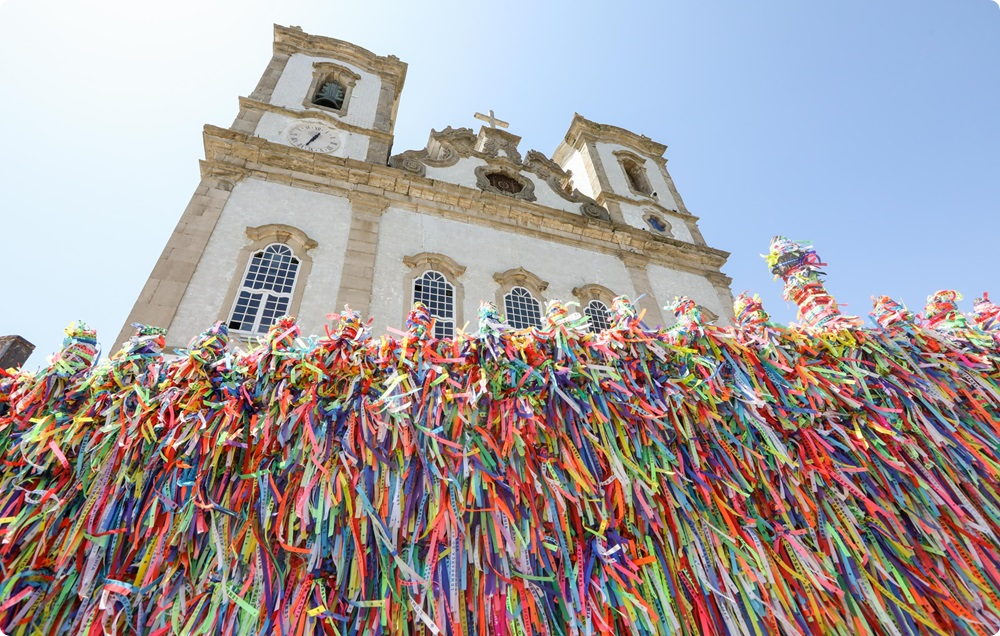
303, 208
740, 479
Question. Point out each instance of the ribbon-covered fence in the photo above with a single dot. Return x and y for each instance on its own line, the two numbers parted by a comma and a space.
822, 478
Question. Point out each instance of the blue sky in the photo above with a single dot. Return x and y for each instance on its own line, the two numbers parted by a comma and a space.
869, 127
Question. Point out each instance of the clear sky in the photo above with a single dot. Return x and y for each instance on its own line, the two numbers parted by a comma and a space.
868, 127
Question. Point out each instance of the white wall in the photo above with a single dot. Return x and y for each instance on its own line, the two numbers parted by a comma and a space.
581, 176
324, 218
668, 284
484, 252
619, 184
461, 173
293, 86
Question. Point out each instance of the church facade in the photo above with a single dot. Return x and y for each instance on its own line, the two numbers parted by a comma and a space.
302, 209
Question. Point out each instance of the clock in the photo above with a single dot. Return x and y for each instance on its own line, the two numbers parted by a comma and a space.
314, 137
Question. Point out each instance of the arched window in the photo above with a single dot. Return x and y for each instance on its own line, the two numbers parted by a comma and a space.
595, 300
436, 281
597, 312
331, 87
434, 290
266, 292
522, 309
634, 168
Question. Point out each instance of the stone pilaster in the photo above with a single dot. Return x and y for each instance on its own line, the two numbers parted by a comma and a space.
722, 284
636, 264
385, 120
358, 275
247, 119
158, 302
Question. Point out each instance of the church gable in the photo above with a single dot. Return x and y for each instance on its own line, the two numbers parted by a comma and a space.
492, 162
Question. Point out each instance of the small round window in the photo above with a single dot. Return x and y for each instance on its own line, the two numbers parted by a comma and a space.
658, 225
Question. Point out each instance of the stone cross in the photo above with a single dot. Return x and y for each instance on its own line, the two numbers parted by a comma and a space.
491, 119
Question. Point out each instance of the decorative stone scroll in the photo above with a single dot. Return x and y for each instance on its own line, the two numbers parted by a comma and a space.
594, 211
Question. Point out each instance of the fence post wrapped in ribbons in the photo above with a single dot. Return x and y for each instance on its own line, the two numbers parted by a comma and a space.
941, 311
752, 480
798, 265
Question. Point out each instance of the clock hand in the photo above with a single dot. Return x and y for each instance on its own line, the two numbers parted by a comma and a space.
314, 138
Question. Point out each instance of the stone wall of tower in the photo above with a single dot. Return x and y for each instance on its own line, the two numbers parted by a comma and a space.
293, 88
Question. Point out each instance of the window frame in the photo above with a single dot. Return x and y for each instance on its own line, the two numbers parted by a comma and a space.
259, 239
587, 294
421, 263
590, 320
483, 172
626, 158
648, 214
439, 321
520, 277
324, 72
266, 294
527, 294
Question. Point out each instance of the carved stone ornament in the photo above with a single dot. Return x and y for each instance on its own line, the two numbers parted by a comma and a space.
443, 149
492, 141
547, 169
493, 146
281, 233
594, 211
411, 161
439, 262
520, 277
459, 141
593, 291
502, 180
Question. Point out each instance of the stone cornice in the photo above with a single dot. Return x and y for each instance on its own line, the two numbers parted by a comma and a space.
233, 155
582, 129
645, 203
252, 104
292, 40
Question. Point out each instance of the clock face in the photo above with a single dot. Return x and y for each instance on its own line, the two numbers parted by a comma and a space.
314, 137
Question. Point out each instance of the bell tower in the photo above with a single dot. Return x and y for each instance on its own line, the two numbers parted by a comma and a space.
320, 102
325, 96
